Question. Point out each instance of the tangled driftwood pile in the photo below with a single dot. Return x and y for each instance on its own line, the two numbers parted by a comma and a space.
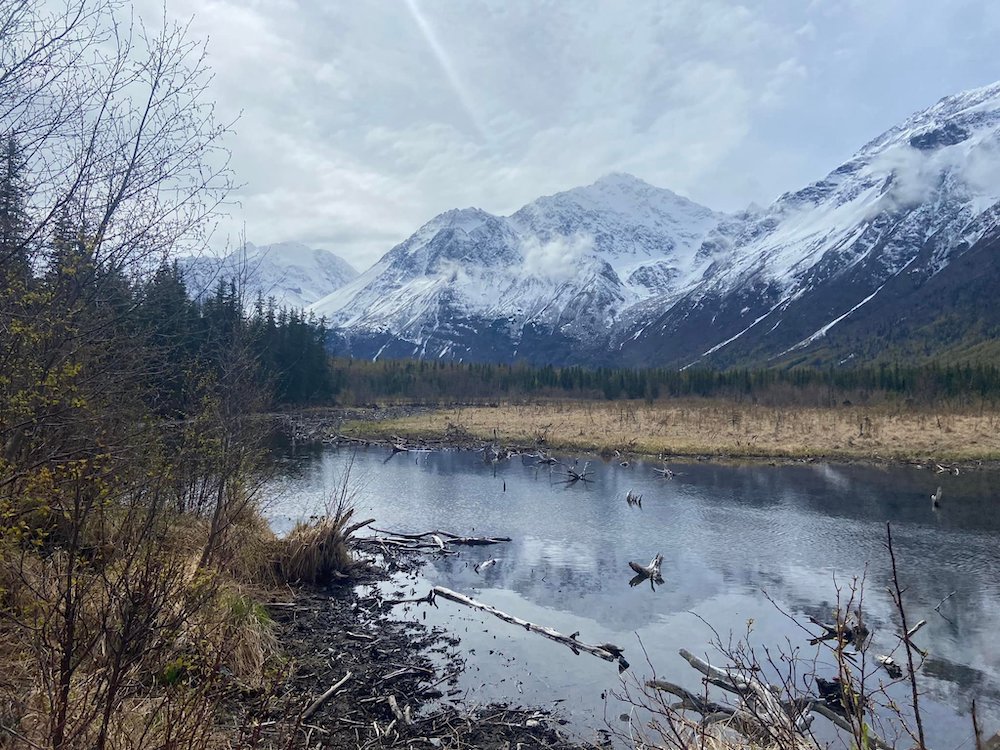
436, 541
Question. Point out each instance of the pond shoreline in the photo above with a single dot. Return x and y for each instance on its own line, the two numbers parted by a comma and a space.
432, 427
782, 515
395, 694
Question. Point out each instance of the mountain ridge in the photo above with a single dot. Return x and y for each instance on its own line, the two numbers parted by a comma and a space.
292, 273
620, 271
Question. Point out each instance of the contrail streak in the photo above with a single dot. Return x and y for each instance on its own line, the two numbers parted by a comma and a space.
444, 60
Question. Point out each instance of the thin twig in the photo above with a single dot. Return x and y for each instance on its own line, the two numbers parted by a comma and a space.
907, 644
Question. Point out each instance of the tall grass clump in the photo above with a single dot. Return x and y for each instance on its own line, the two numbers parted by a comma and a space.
319, 551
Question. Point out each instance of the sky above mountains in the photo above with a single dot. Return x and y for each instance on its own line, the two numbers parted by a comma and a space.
360, 121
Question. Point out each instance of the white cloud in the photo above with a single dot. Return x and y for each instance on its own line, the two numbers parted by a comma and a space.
559, 259
917, 174
360, 121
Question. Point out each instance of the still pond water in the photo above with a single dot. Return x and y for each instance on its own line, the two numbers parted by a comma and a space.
727, 534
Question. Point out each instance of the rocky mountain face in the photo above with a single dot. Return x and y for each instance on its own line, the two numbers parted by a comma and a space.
547, 282
874, 260
292, 273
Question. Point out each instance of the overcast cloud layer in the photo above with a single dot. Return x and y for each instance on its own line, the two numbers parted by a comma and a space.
362, 120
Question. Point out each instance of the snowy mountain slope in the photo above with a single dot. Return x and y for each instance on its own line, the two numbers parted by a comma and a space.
294, 274
903, 205
620, 272
951, 314
563, 266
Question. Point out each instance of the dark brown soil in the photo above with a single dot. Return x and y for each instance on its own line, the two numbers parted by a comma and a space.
329, 633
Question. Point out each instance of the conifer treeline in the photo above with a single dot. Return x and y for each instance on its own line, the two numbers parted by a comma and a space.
285, 349
362, 382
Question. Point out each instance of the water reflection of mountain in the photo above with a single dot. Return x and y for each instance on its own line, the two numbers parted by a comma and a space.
725, 532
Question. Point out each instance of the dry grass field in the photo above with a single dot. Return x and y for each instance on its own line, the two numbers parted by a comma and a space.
717, 428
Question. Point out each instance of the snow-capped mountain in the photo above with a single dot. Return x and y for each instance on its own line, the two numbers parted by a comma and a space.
623, 272
557, 274
292, 273
819, 261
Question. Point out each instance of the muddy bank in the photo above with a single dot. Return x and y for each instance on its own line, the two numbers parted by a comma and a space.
401, 692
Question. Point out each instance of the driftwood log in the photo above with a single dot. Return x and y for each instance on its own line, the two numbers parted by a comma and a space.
326, 696
689, 700
441, 542
649, 571
446, 536
760, 697
606, 651
760, 713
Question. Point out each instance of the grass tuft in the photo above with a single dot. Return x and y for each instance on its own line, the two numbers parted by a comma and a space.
317, 552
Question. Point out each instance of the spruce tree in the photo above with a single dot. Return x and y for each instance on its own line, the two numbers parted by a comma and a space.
14, 256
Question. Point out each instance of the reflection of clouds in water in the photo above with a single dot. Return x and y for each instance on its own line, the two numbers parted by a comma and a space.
308, 485
534, 551
724, 531
834, 476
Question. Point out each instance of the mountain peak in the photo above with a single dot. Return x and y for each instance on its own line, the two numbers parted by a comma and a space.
618, 180
983, 97
950, 121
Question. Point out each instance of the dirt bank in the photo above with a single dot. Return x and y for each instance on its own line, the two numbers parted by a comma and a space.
328, 634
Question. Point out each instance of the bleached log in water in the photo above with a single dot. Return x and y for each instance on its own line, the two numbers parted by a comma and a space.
606, 651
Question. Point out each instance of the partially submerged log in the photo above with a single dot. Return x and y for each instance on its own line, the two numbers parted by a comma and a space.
760, 713
477, 541
764, 706
689, 700
841, 723
427, 541
606, 651
448, 536
852, 632
643, 572
889, 665
649, 571
485, 564
583, 475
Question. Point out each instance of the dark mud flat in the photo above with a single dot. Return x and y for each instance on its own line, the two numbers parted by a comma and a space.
330, 633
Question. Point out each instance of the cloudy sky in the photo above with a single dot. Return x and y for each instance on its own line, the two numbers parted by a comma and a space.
359, 121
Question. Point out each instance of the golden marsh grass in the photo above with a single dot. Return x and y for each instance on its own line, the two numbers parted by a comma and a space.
718, 428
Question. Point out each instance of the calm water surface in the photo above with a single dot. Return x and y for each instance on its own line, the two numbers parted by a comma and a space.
727, 534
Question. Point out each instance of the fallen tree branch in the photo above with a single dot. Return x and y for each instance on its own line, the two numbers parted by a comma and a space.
428, 599
767, 708
734, 683
841, 723
688, 699
326, 696
606, 651
354, 527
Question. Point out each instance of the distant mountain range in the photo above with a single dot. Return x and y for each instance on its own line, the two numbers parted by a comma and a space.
292, 273
894, 254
